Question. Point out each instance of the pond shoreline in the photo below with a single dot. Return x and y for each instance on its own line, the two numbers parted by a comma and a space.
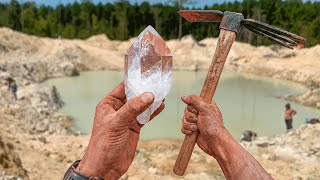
250, 92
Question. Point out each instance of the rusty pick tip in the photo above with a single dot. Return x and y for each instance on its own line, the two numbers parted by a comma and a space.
202, 15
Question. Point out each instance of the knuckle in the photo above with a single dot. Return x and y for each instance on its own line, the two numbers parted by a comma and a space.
192, 110
191, 118
192, 115
99, 105
195, 112
187, 126
187, 115
192, 127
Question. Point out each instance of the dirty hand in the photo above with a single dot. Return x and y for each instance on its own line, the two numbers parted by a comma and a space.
115, 134
215, 140
205, 118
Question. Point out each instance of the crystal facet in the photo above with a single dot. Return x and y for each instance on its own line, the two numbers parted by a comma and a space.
148, 68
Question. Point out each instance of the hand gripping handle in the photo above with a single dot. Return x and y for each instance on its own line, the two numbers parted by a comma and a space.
226, 39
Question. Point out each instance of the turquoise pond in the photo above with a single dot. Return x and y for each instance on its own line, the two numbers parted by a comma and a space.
246, 102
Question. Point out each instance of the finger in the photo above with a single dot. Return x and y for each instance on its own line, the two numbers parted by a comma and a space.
196, 102
158, 111
118, 92
115, 103
135, 126
115, 97
155, 113
186, 132
190, 117
192, 109
189, 126
135, 106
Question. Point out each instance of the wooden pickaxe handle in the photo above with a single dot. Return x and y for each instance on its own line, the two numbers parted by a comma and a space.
225, 41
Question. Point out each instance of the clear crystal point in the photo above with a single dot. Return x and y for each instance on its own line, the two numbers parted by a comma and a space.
148, 68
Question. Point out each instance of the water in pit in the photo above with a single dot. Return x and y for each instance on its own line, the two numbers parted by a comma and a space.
246, 102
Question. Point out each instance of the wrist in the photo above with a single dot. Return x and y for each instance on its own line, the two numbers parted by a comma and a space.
88, 167
220, 142
72, 173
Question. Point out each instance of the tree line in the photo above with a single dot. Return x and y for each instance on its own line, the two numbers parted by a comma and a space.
122, 20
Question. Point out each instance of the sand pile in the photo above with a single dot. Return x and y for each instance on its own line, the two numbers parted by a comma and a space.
11, 42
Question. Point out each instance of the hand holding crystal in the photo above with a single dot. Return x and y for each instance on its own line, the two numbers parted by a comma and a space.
115, 134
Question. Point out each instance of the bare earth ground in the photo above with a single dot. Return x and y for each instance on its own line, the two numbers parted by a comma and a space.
38, 142
289, 156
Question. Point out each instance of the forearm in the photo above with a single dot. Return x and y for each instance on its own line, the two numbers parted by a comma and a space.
235, 161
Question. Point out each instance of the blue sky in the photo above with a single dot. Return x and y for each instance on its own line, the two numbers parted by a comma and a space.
199, 3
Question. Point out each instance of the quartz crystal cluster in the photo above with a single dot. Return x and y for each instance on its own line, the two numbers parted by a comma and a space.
148, 68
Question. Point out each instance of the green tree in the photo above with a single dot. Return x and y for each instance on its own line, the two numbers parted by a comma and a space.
14, 15
122, 20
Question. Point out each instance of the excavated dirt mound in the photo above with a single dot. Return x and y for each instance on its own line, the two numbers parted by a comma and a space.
58, 57
10, 162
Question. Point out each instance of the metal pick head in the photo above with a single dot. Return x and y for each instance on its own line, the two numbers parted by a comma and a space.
272, 33
202, 15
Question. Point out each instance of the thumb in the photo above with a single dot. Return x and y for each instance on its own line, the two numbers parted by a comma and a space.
135, 107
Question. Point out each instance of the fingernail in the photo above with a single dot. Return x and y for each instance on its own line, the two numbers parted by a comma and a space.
194, 127
183, 97
147, 97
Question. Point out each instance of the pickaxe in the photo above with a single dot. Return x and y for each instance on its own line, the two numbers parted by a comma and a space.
230, 25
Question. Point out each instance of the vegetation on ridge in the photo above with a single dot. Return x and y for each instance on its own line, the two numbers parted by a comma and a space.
123, 20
